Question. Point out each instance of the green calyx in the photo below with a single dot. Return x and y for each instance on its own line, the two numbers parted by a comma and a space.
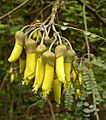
69, 55
49, 57
40, 49
20, 37
30, 45
47, 41
60, 50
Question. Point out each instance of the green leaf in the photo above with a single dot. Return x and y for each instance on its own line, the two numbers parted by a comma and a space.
3, 26
87, 33
14, 29
102, 49
79, 104
92, 110
86, 115
2, 31
86, 104
91, 106
89, 88
63, 27
86, 118
86, 110
65, 23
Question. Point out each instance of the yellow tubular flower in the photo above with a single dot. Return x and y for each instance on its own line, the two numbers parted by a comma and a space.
57, 90
49, 58
17, 50
74, 74
59, 51
30, 47
48, 78
18, 47
12, 77
67, 68
77, 94
80, 78
69, 56
22, 62
39, 75
60, 68
30, 64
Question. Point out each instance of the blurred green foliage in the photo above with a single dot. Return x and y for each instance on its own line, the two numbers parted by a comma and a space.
15, 99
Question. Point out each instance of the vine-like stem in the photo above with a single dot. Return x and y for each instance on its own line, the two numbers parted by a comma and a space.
37, 39
54, 11
34, 104
51, 109
4, 80
86, 29
67, 42
42, 38
29, 30
93, 11
16, 9
49, 30
32, 25
46, 20
90, 70
54, 29
45, 30
27, 26
33, 32
81, 30
43, 10
93, 93
53, 43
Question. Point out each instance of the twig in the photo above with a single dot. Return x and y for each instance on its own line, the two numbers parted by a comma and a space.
45, 30
93, 11
43, 9
29, 30
81, 30
15, 9
93, 93
54, 29
49, 30
27, 26
43, 38
53, 43
2, 84
54, 11
67, 42
34, 104
4, 80
88, 49
51, 109
86, 29
33, 32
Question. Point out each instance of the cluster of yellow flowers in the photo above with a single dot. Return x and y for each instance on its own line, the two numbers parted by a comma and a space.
47, 66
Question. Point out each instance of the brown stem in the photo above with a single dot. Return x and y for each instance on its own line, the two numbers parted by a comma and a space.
4, 80
93, 11
86, 29
34, 104
51, 109
16, 9
43, 10
81, 30
54, 11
